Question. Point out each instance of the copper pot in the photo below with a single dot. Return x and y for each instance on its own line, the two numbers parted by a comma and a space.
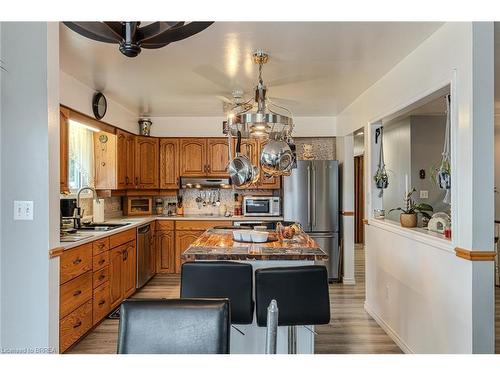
408, 220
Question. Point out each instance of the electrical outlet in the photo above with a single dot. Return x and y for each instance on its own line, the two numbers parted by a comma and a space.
424, 194
23, 210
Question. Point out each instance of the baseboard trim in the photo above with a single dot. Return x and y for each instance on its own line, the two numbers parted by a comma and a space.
390, 332
348, 281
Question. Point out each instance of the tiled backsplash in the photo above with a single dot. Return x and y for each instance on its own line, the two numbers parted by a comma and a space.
112, 207
323, 148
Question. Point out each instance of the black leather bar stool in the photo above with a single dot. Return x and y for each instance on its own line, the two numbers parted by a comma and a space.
302, 297
221, 279
178, 326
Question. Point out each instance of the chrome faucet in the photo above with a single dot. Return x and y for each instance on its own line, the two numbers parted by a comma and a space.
78, 213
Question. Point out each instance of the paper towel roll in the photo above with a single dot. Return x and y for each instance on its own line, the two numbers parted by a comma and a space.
98, 210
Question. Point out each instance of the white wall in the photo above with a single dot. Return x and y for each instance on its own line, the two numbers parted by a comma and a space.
76, 95
460, 53
29, 171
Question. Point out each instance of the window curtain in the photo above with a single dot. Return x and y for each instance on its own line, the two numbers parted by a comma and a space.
81, 157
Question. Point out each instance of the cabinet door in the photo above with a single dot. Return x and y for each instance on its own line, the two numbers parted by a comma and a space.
64, 148
270, 182
169, 163
121, 160
146, 163
182, 241
165, 245
128, 269
115, 276
217, 157
130, 177
193, 157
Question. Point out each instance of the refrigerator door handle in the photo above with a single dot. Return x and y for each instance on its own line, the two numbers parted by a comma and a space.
309, 196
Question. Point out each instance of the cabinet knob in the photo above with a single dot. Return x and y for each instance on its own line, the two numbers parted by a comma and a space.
102, 261
102, 302
126, 180
77, 261
102, 277
77, 293
137, 181
77, 324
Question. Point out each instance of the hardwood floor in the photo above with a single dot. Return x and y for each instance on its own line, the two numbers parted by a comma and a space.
351, 329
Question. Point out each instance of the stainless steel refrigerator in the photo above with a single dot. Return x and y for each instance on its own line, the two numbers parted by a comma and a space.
311, 197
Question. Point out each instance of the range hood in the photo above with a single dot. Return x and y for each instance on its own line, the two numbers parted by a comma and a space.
203, 182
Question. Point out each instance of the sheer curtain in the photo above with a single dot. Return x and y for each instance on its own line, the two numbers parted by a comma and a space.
81, 156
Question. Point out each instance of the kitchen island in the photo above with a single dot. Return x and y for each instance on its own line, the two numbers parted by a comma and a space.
302, 250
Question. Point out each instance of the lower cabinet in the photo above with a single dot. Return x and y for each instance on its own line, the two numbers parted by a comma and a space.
122, 265
75, 325
102, 303
165, 250
184, 238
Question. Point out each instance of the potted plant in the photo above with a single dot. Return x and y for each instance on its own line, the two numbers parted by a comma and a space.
408, 217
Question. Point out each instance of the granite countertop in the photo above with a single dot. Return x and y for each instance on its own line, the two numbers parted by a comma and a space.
218, 244
136, 221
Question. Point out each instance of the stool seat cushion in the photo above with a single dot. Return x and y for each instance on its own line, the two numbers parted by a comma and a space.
221, 279
301, 293
161, 326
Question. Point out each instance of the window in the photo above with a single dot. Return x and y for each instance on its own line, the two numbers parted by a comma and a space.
81, 156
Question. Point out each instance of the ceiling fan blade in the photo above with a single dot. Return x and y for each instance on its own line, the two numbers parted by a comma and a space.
153, 29
95, 30
292, 79
116, 27
175, 34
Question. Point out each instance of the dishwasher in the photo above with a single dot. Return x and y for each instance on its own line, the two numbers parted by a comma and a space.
145, 257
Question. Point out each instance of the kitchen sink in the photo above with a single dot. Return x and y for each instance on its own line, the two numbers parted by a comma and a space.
103, 227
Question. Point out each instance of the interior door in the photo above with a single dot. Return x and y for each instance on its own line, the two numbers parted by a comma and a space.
324, 196
296, 194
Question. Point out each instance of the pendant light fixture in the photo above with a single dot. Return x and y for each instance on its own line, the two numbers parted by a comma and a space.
263, 117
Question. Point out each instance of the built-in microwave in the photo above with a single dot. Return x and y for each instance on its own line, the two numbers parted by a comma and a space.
261, 206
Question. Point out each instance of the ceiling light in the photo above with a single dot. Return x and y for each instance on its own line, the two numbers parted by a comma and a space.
91, 128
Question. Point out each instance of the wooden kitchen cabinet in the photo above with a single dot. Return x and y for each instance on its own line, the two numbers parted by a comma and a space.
122, 266
204, 157
146, 163
217, 157
64, 148
121, 162
169, 163
182, 241
165, 250
193, 157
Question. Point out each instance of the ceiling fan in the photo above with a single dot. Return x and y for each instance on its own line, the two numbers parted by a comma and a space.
132, 38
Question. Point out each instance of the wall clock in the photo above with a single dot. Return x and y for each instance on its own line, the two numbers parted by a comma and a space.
99, 105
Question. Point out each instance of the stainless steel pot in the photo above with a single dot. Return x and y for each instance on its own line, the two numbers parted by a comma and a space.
276, 158
240, 169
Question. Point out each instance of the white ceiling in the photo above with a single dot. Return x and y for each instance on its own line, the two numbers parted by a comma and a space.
331, 62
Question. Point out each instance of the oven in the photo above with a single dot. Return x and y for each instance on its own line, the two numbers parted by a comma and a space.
261, 206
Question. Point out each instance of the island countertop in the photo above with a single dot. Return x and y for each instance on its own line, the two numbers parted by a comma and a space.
218, 244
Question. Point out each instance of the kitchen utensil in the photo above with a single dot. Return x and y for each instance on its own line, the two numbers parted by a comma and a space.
204, 199
240, 169
214, 203
276, 158
218, 199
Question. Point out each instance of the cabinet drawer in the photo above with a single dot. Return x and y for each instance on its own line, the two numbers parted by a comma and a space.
101, 302
100, 277
198, 224
75, 262
75, 293
100, 246
74, 326
100, 261
164, 225
121, 238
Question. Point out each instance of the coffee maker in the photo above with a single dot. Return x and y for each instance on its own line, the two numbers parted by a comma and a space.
67, 206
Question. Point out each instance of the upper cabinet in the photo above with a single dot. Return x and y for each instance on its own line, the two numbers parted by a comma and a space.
169, 163
217, 157
63, 148
146, 163
204, 157
125, 144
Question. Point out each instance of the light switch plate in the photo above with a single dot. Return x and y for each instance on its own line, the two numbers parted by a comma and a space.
424, 194
23, 210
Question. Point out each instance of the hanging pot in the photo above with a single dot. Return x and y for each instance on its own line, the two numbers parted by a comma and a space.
240, 169
276, 158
